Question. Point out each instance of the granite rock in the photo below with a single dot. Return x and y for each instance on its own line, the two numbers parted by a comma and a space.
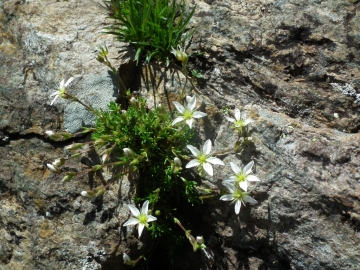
291, 66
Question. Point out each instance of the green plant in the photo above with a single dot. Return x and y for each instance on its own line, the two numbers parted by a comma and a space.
196, 73
153, 27
151, 148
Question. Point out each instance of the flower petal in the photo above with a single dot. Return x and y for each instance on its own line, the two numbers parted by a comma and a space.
189, 122
237, 114
52, 102
235, 168
206, 149
55, 93
151, 218
248, 121
237, 206
192, 163
62, 84
208, 168
214, 160
177, 120
247, 168
233, 178
199, 114
250, 200
134, 211
131, 221
145, 207
232, 120
227, 197
243, 185
230, 187
193, 150
191, 103
69, 81
140, 228
179, 107
252, 178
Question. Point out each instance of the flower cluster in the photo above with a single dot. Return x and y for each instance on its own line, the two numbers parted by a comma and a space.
150, 146
238, 185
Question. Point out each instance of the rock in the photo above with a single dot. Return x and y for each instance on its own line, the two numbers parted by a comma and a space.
290, 65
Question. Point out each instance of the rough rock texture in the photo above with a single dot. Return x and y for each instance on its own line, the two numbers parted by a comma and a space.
292, 66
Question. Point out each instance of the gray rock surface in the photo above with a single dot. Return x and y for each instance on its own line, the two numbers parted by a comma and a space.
292, 66
96, 91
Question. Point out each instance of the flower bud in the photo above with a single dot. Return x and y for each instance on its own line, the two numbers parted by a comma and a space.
129, 153
128, 261
99, 142
53, 168
87, 194
96, 168
133, 101
68, 177
100, 191
177, 162
180, 54
50, 133
100, 59
200, 240
74, 146
103, 51
58, 162
105, 157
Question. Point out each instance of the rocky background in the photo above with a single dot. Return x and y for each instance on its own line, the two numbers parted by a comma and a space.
293, 66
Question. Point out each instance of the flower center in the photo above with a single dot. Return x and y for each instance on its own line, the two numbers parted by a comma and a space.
142, 219
240, 177
239, 123
202, 158
188, 115
238, 194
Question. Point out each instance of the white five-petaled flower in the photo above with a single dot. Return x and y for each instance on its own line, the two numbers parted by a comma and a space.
142, 218
203, 158
239, 121
242, 176
237, 196
62, 90
188, 114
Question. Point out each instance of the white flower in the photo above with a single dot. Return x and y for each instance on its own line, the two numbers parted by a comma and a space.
242, 176
62, 90
142, 218
237, 196
239, 121
188, 114
203, 158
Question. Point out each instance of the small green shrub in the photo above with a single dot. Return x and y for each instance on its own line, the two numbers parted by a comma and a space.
153, 27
